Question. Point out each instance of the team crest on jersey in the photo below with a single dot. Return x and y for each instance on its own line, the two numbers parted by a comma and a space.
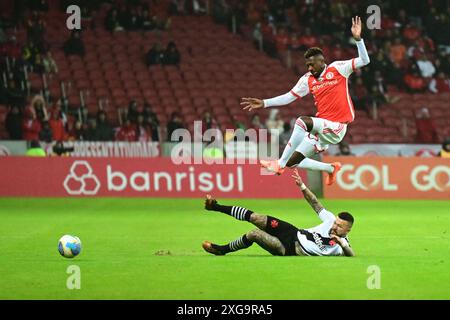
329, 75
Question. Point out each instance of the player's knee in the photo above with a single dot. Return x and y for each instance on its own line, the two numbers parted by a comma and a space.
307, 121
295, 159
253, 234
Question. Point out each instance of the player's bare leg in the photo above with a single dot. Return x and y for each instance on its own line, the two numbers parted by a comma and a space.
302, 126
269, 243
262, 238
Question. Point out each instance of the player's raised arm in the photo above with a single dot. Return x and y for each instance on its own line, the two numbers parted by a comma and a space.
309, 196
254, 103
363, 57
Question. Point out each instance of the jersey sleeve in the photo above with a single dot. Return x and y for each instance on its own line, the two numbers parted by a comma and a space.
346, 67
326, 216
301, 88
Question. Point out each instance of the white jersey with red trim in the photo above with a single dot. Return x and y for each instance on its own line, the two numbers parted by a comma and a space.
317, 242
330, 91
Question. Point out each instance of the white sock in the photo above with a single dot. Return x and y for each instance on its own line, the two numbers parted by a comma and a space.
296, 138
315, 165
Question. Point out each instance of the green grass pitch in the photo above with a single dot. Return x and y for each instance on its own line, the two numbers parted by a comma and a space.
407, 240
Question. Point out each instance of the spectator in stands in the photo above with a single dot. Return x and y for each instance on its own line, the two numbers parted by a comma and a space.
112, 22
38, 66
78, 131
445, 151
307, 40
175, 123
74, 45
46, 133
13, 123
171, 55
35, 150
440, 84
132, 112
375, 97
155, 55
143, 130
274, 121
57, 108
359, 94
208, 121
256, 122
92, 132
411, 32
398, 51
198, 7
344, 149
39, 108
105, 131
147, 21
57, 125
127, 132
282, 40
29, 54
36, 30
30, 126
49, 63
257, 35
426, 129
285, 136
425, 66
152, 120
294, 42
414, 83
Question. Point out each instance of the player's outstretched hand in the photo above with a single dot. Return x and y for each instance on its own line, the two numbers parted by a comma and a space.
297, 178
356, 28
210, 202
252, 103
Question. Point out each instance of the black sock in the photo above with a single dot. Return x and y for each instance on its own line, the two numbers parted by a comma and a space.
239, 213
238, 244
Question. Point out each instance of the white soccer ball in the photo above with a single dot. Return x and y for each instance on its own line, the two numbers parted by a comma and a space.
69, 246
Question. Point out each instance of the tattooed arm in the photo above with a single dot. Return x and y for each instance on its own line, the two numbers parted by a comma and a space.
309, 196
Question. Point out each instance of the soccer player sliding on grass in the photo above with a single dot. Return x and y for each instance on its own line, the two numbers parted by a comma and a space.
329, 86
283, 239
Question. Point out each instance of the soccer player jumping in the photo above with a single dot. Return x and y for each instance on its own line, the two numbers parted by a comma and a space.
283, 239
329, 86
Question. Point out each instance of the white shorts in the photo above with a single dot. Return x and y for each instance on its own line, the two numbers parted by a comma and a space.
324, 132
328, 132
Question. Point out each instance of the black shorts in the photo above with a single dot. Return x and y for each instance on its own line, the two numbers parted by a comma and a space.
285, 232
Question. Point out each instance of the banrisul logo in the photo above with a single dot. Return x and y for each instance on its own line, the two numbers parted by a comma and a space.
81, 180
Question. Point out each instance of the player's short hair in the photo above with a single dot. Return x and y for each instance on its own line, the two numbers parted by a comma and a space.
346, 216
311, 52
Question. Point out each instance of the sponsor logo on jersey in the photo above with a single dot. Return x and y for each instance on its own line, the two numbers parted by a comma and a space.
318, 241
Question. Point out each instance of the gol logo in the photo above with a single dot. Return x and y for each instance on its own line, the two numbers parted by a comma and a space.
424, 178
366, 177
81, 180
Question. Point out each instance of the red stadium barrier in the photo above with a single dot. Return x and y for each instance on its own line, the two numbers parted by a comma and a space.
154, 177
395, 178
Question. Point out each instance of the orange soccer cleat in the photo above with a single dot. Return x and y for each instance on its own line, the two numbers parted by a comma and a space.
212, 248
331, 178
272, 166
